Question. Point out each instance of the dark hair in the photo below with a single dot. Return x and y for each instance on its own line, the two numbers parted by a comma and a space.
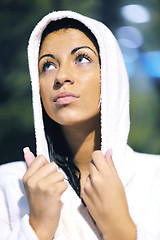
66, 23
59, 150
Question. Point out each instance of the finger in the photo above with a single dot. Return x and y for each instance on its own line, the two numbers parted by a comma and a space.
109, 160
99, 160
87, 198
38, 163
88, 189
52, 181
57, 177
28, 156
108, 157
92, 170
44, 171
61, 187
96, 179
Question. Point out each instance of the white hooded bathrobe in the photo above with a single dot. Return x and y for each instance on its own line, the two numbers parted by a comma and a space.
139, 173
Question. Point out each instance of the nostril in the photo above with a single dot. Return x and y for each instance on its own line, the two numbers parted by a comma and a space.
57, 83
67, 81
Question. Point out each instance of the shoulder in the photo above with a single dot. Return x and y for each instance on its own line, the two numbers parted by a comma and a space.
147, 160
11, 185
12, 170
143, 159
147, 167
144, 165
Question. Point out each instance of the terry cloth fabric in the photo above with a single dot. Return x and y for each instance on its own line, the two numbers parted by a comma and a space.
114, 87
139, 172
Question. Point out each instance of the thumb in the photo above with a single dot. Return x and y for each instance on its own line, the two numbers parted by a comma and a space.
108, 157
109, 160
28, 156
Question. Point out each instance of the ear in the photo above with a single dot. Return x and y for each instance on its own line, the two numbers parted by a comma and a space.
28, 156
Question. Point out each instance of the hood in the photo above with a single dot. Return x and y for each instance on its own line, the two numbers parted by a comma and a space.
114, 88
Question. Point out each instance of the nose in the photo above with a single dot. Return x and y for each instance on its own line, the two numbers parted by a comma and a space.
64, 76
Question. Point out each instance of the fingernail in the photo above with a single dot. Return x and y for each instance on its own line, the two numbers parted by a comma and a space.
110, 151
26, 149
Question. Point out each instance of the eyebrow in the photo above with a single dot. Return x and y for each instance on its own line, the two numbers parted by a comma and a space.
76, 49
46, 55
72, 52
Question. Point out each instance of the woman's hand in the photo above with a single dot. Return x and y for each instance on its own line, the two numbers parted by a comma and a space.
105, 198
44, 186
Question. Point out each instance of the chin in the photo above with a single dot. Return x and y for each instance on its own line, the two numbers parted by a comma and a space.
67, 117
69, 122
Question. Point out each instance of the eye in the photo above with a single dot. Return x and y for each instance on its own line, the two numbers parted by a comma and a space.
82, 58
47, 66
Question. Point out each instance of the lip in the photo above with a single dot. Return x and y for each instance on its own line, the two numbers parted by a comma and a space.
65, 98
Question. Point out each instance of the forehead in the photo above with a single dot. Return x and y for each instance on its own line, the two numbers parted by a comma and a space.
66, 38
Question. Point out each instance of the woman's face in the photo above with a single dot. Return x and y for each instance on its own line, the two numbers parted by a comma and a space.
69, 75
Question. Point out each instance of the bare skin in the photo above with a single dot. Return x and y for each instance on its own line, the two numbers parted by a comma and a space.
82, 144
78, 72
104, 190
44, 186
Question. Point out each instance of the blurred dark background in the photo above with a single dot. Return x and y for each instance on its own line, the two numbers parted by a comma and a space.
136, 25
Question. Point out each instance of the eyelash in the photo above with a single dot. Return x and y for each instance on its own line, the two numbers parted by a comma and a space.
48, 63
83, 55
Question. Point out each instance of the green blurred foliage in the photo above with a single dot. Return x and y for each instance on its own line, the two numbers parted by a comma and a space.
145, 120
153, 35
17, 19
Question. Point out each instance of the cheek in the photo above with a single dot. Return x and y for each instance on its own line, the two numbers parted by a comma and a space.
45, 96
91, 94
93, 88
46, 87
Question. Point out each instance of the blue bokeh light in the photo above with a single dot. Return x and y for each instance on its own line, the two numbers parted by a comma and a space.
136, 13
151, 63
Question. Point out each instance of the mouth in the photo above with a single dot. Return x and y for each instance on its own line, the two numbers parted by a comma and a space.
65, 98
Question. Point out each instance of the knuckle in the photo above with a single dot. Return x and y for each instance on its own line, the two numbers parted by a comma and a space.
84, 198
42, 187
61, 175
54, 192
65, 185
83, 194
58, 190
53, 166
96, 181
87, 187
24, 179
86, 190
41, 159
28, 184
41, 156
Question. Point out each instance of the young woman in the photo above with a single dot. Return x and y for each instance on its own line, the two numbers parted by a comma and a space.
85, 182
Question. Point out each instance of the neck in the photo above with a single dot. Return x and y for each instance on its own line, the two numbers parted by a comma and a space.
83, 139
